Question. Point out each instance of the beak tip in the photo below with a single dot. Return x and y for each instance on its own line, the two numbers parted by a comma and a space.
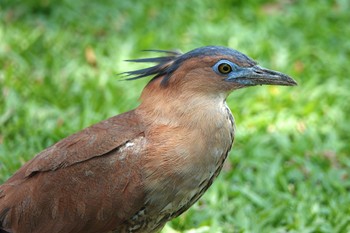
293, 82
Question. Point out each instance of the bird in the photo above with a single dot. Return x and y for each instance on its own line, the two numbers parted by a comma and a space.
134, 172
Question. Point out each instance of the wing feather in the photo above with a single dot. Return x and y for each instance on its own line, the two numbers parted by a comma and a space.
96, 140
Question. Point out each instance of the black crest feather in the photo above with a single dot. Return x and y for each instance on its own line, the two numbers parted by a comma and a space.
161, 68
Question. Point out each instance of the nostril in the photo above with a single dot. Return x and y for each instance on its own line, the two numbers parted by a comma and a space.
259, 72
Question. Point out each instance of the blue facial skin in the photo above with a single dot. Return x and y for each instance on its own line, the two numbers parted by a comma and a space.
236, 73
254, 75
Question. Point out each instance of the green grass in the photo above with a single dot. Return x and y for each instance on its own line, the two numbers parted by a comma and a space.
289, 167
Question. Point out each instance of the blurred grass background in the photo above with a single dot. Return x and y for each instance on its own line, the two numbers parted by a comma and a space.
289, 168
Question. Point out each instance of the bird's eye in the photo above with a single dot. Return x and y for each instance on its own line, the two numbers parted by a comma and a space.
224, 68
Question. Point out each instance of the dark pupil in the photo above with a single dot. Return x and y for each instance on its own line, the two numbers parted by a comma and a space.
225, 68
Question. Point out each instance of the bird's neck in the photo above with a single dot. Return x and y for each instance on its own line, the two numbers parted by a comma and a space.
168, 106
192, 130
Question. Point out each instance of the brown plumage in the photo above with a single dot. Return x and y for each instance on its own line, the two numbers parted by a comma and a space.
136, 171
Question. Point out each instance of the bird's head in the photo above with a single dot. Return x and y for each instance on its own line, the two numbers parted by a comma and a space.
210, 69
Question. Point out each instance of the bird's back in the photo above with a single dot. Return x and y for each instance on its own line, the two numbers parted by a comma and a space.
99, 168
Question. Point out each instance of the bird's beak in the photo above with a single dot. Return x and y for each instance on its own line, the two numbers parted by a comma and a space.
256, 75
